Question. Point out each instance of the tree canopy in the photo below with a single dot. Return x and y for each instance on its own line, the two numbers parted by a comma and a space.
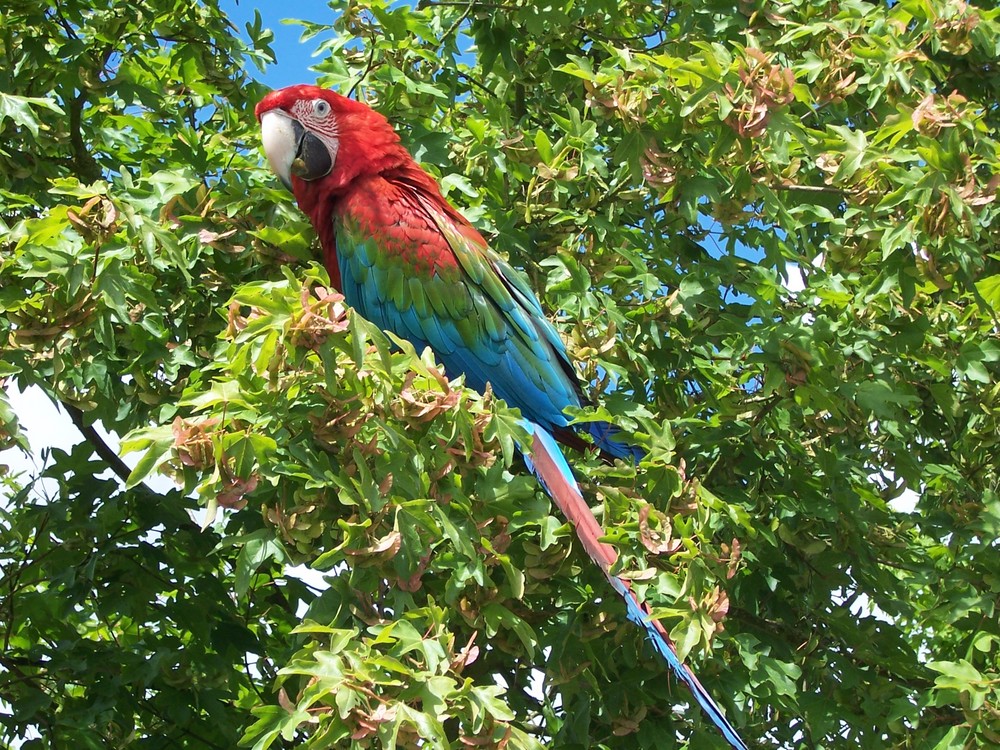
768, 233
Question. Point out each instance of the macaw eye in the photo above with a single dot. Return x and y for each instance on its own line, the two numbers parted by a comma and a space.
321, 108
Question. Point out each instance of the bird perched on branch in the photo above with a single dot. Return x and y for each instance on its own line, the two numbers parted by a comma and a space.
406, 260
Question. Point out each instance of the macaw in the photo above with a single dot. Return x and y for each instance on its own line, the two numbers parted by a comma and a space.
408, 261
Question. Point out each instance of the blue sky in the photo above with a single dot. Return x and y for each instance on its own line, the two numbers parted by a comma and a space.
293, 56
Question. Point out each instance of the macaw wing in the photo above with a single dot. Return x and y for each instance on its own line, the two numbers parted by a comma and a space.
414, 268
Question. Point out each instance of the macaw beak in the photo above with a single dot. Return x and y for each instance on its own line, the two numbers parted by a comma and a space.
291, 149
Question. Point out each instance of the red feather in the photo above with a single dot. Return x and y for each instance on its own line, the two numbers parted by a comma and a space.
387, 211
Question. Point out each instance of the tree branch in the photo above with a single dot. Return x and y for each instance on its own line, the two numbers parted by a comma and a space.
101, 448
85, 165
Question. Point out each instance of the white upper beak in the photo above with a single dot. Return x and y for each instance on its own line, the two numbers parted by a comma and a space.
280, 141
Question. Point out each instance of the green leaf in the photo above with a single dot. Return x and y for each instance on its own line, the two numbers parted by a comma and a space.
958, 675
989, 289
257, 548
953, 739
156, 444
19, 109
854, 151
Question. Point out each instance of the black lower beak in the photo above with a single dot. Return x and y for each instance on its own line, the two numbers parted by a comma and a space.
312, 157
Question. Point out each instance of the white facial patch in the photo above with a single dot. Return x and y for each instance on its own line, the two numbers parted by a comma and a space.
277, 134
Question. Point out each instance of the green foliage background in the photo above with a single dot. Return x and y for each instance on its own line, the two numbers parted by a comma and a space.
656, 170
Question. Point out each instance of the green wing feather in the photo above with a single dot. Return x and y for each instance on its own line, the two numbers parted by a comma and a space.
412, 268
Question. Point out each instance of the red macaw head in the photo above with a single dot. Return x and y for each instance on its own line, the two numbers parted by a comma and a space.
318, 141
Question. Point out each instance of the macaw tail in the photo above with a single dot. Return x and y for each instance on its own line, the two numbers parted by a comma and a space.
608, 438
547, 462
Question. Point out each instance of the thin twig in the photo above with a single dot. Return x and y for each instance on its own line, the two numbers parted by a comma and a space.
454, 27
368, 67
808, 188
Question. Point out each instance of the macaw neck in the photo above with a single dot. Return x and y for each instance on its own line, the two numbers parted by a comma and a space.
318, 201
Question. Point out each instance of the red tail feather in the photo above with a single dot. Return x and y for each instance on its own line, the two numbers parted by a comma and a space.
547, 461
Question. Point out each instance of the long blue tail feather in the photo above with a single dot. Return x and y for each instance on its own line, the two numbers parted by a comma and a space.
638, 614
547, 462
